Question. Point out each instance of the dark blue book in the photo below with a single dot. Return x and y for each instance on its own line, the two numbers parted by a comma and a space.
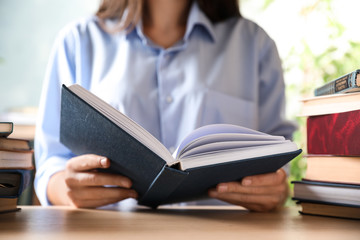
348, 83
13, 182
208, 156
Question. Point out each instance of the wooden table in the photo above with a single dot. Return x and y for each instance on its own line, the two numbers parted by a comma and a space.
221, 223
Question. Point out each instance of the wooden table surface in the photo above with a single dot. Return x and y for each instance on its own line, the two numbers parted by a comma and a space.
35, 222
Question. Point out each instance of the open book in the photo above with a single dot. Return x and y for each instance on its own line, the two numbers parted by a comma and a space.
221, 143
209, 155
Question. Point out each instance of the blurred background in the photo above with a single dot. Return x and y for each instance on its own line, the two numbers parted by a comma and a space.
318, 40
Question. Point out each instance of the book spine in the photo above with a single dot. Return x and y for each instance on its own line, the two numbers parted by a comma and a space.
347, 83
7, 132
163, 186
336, 134
25, 181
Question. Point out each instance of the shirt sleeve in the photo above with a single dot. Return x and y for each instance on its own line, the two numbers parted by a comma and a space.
272, 98
272, 118
50, 154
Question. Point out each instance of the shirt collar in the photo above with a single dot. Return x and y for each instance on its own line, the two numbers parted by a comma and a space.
197, 18
197, 22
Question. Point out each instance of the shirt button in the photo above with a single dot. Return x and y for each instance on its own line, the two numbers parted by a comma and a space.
169, 99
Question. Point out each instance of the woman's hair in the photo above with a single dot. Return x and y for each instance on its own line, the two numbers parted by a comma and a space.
129, 12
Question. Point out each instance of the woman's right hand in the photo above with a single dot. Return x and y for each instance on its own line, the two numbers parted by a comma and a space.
82, 186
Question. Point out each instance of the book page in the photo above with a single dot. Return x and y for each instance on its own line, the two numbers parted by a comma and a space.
215, 129
328, 104
219, 146
222, 156
222, 133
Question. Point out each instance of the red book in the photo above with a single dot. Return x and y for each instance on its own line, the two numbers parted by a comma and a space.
336, 134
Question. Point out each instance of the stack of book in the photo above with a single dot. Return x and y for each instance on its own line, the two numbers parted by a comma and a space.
15, 167
331, 186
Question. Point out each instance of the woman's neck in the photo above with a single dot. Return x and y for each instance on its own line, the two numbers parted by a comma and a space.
164, 21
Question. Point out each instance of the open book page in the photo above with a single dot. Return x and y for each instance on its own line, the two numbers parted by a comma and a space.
124, 122
216, 133
219, 143
328, 104
235, 154
216, 129
209, 148
226, 139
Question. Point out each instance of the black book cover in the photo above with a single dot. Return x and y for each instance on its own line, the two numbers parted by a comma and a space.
83, 129
328, 184
13, 182
9, 184
331, 186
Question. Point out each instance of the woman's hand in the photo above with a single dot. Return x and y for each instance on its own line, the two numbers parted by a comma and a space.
81, 185
261, 193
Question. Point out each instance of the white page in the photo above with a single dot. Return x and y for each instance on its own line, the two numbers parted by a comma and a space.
225, 137
216, 129
236, 155
218, 146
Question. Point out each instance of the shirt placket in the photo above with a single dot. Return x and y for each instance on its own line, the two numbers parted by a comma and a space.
168, 81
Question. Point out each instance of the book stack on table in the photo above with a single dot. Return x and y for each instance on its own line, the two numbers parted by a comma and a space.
15, 167
331, 186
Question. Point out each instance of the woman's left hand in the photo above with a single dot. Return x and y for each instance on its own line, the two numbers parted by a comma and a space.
260, 193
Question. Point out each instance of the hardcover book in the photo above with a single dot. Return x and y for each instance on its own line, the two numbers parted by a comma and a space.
208, 156
14, 144
329, 104
329, 168
8, 205
335, 134
13, 182
16, 159
6, 128
327, 192
345, 84
330, 210
10, 183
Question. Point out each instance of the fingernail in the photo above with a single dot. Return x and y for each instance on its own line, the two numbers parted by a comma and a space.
222, 188
103, 162
126, 184
246, 182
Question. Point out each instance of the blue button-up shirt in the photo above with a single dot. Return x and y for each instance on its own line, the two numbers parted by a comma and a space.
228, 72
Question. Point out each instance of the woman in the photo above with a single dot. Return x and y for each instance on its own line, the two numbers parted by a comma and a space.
172, 66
